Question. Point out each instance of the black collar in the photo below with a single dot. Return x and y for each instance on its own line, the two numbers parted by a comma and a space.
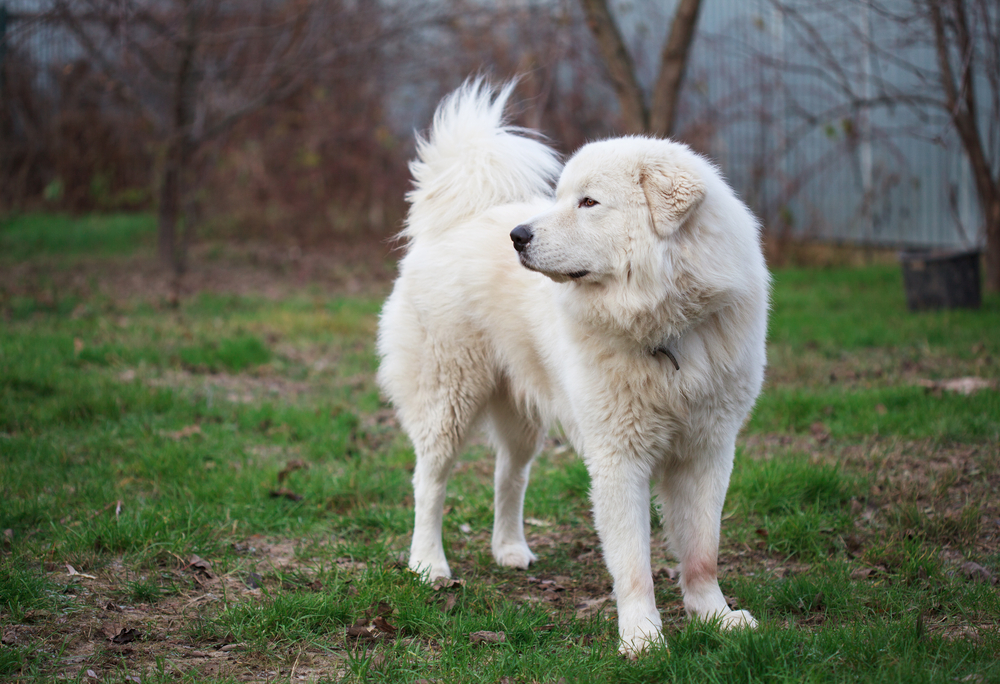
663, 348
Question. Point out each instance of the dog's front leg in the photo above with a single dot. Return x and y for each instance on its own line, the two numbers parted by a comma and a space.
691, 495
620, 493
430, 479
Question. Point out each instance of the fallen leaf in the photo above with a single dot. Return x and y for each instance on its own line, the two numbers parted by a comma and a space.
862, 573
447, 583
589, 604
978, 573
537, 523
254, 581
125, 636
200, 565
819, 431
669, 572
383, 625
92, 674
290, 468
359, 630
964, 386
73, 573
381, 609
485, 637
182, 433
284, 493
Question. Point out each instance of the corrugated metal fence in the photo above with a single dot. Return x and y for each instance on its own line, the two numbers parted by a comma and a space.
775, 105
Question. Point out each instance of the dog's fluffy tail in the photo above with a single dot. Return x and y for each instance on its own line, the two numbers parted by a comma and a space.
472, 161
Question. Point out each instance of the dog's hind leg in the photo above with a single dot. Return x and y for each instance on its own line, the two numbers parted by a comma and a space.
437, 423
516, 439
691, 492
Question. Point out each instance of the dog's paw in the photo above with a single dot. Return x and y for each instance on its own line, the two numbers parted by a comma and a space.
737, 619
634, 641
430, 570
514, 556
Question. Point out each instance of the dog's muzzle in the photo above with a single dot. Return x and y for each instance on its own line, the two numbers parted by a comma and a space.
521, 236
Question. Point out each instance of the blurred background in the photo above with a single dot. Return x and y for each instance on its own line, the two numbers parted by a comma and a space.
866, 123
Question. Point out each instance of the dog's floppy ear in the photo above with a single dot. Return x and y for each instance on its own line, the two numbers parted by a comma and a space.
672, 193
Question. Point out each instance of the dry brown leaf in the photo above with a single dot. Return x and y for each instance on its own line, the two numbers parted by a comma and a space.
486, 637
381, 609
284, 494
182, 433
359, 630
964, 386
978, 573
383, 625
200, 565
449, 603
447, 583
290, 468
125, 636
819, 431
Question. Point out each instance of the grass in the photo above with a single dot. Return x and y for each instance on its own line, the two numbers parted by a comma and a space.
223, 478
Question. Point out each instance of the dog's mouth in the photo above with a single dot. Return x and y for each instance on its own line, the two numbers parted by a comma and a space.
558, 276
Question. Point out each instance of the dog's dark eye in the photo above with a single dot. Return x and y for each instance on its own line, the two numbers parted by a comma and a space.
588, 202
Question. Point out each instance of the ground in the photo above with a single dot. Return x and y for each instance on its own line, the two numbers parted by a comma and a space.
202, 482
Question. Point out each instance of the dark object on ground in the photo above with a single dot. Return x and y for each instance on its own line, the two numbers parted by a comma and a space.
941, 279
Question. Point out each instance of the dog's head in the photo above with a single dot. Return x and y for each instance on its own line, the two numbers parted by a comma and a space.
617, 201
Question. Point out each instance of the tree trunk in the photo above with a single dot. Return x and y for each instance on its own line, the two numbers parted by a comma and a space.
658, 118
172, 220
960, 100
173, 228
673, 62
635, 115
992, 216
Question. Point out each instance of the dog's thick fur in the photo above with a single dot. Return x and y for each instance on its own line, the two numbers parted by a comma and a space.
642, 250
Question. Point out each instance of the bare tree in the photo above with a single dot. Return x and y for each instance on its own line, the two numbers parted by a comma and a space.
969, 30
194, 68
939, 60
656, 117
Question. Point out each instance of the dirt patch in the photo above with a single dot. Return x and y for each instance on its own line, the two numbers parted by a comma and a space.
235, 388
107, 632
362, 267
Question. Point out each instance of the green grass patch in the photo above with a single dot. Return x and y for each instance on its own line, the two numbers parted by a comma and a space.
248, 432
32, 235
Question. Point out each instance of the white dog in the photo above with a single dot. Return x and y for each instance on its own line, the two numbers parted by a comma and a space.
631, 308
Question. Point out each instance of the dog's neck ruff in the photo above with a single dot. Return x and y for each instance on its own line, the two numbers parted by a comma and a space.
663, 349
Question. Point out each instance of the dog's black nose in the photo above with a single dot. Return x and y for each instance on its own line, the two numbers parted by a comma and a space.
521, 236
